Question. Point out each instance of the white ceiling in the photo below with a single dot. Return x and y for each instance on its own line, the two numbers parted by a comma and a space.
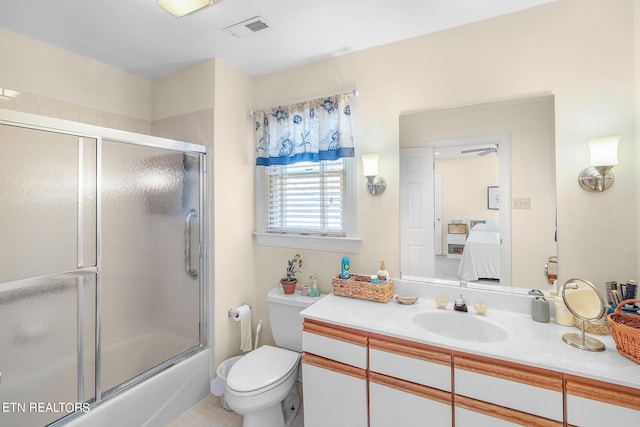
139, 37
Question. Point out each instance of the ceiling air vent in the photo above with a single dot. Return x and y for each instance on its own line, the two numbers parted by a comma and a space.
245, 28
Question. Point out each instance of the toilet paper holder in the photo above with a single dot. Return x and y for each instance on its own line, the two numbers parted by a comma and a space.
231, 311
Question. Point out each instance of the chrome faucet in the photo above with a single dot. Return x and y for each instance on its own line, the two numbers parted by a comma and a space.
460, 305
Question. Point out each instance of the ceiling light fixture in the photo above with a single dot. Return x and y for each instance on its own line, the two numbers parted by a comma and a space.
180, 8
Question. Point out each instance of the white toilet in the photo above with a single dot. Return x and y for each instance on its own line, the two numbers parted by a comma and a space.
261, 386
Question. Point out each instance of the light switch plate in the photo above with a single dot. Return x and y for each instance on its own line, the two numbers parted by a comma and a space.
522, 203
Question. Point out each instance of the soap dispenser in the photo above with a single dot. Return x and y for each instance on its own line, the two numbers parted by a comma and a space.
383, 274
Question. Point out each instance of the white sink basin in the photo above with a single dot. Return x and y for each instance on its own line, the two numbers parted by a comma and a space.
460, 326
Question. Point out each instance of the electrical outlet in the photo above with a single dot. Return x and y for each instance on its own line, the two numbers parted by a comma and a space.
522, 203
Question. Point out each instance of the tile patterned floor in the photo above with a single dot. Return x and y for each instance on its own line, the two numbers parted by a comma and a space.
209, 413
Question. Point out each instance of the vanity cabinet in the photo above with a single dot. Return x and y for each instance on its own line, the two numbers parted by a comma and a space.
361, 379
334, 372
511, 393
409, 384
597, 403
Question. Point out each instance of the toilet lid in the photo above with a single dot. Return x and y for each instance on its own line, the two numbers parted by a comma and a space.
262, 368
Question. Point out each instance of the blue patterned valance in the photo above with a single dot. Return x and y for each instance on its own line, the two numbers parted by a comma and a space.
309, 131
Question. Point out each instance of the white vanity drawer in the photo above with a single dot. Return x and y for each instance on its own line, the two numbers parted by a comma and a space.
395, 402
530, 390
596, 403
587, 413
456, 239
473, 413
409, 361
332, 342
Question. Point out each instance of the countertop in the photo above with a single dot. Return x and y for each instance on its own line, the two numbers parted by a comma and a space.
528, 342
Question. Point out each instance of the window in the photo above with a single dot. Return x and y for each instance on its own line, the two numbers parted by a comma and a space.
309, 205
306, 198
305, 174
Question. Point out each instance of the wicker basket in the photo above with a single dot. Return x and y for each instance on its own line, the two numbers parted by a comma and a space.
359, 286
596, 327
625, 330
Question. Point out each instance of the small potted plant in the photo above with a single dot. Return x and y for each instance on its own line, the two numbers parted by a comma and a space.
289, 283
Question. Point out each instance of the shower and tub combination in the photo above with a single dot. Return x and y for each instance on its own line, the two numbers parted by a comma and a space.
102, 275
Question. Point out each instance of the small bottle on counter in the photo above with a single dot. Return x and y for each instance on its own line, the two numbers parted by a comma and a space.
304, 289
313, 287
383, 274
344, 274
313, 291
374, 279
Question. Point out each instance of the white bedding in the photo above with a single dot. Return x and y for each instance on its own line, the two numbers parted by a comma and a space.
481, 254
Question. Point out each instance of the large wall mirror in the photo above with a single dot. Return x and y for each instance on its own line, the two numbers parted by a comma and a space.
477, 193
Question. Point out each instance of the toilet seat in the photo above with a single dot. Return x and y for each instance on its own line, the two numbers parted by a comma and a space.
262, 369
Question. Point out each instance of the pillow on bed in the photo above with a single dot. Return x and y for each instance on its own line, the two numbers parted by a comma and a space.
491, 225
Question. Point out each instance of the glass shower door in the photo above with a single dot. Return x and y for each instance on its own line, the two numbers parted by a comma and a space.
150, 259
101, 264
47, 274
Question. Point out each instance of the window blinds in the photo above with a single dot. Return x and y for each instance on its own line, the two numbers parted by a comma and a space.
306, 198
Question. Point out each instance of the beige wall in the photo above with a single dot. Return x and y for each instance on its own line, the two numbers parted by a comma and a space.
185, 91
581, 51
41, 69
232, 207
464, 189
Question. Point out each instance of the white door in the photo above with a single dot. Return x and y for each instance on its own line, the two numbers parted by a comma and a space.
417, 212
418, 201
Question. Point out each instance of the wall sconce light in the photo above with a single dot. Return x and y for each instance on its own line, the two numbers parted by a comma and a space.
375, 184
180, 8
604, 156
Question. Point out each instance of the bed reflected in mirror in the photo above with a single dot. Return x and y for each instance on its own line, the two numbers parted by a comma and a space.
480, 260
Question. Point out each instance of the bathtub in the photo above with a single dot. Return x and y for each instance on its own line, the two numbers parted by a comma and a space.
154, 402
39, 349
34, 375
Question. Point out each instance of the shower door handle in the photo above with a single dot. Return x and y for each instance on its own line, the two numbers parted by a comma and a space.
193, 273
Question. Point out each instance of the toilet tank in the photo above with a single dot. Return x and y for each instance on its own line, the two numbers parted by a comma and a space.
285, 319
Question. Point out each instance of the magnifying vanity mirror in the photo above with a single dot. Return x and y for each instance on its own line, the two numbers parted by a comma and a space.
477, 193
584, 302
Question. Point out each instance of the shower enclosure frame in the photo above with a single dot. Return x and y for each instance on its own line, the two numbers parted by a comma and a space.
97, 133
